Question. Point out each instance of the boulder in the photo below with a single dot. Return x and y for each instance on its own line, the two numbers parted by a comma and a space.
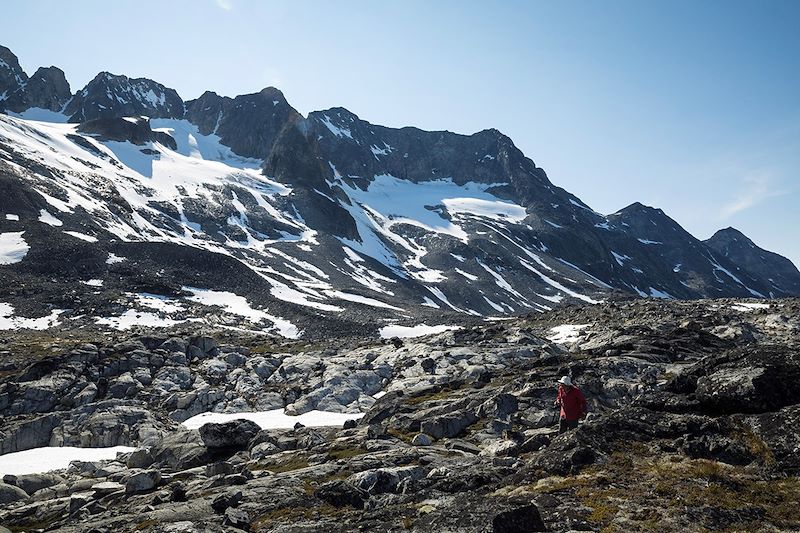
226, 500
235, 434
520, 520
237, 518
140, 458
340, 493
32, 483
142, 481
105, 488
421, 439
11, 493
449, 425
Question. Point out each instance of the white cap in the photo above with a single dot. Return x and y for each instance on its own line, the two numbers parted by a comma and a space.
565, 380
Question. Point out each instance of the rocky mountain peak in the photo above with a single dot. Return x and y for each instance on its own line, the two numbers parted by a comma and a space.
111, 95
12, 77
249, 124
46, 89
780, 273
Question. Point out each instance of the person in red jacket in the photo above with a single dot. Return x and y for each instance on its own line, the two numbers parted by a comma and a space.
572, 402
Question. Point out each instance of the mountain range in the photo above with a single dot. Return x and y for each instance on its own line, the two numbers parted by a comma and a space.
124, 205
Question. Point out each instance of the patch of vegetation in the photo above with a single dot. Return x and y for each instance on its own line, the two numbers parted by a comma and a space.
296, 463
346, 453
445, 393
294, 514
753, 444
637, 481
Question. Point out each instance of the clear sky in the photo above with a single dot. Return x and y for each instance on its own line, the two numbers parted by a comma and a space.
690, 106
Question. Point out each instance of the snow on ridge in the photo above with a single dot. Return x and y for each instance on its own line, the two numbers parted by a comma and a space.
81, 236
339, 131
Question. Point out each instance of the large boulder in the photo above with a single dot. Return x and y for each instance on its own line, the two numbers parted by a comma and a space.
142, 481
340, 493
11, 493
449, 425
235, 434
520, 520
31, 483
755, 379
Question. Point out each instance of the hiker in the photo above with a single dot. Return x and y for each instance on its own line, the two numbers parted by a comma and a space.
572, 402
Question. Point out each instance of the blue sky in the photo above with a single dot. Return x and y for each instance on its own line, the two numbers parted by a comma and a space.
690, 106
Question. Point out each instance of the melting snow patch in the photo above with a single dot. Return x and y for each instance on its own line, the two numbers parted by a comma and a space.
39, 460
12, 247
81, 236
405, 332
646, 241
566, 333
275, 419
336, 130
113, 259
553, 224
620, 258
238, 305
12, 217
430, 303
655, 293
747, 306
47, 218
131, 318
93, 282
9, 321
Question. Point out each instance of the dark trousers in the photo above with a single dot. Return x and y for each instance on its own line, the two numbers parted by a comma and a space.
566, 425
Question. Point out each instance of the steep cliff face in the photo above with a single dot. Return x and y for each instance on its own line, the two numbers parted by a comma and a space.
249, 124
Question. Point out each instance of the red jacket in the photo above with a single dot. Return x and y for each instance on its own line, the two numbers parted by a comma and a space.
572, 402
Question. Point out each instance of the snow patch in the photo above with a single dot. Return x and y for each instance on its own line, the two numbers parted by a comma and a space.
9, 321
48, 458
275, 419
405, 332
567, 333
47, 218
13, 247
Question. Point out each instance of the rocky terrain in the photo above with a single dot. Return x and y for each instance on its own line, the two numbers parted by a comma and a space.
693, 425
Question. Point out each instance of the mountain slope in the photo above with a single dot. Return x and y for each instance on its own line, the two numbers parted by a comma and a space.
308, 219
782, 275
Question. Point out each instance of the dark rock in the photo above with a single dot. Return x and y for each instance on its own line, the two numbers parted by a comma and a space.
237, 518
520, 520
340, 493
11, 493
142, 481
235, 434
223, 501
